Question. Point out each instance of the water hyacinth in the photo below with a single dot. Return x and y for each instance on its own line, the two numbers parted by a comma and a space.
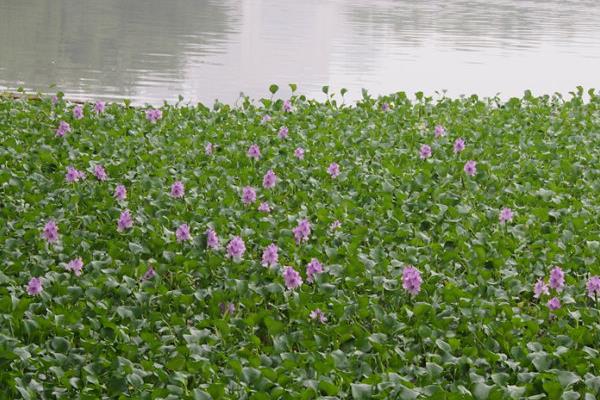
34, 287
183, 233
540, 288
333, 170
459, 145
149, 274
292, 278
254, 152
125, 221
335, 225
177, 190
208, 149
76, 266
266, 118
227, 308
425, 152
248, 195
50, 232
236, 249
506, 215
553, 304
299, 153
593, 287
264, 207
269, 180
78, 112
283, 132
270, 255
287, 106
411, 280
385, 107
73, 175
313, 267
470, 168
99, 107
120, 192
318, 315
63, 128
439, 131
100, 173
153, 115
212, 240
302, 231
557, 279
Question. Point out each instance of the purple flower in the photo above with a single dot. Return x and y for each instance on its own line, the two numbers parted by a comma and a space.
100, 173
125, 221
593, 287
411, 280
264, 207
270, 179
34, 286
317, 314
63, 128
554, 304
313, 267
299, 153
540, 288
471, 168
292, 278
50, 232
270, 256
425, 152
236, 248
439, 131
227, 308
385, 107
287, 106
73, 175
120, 192
557, 279
266, 118
506, 215
335, 225
283, 132
78, 112
75, 265
254, 151
459, 145
248, 195
208, 149
333, 170
183, 233
212, 240
302, 231
99, 106
54, 99
149, 274
177, 190
153, 115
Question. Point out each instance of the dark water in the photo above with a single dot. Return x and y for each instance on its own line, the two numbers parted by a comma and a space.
151, 50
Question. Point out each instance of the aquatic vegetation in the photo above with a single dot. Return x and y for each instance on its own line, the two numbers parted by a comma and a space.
426, 269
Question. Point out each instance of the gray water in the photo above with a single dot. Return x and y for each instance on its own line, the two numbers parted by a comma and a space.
154, 50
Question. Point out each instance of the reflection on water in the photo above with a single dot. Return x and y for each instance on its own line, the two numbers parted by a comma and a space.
150, 50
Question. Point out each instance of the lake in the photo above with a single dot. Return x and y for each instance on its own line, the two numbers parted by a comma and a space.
154, 50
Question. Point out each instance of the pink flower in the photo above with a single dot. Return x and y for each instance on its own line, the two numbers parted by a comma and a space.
99, 106
120, 192
299, 153
78, 112
554, 304
593, 287
73, 175
317, 314
34, 286
425, 152
264, 207
506, 215
208, 149
149, 274
125, 221
287, 106
236, 248
335, 225
270, 255
54, 99
266, 118
292, 278
153, 115
63, 128
283, 132
212, 240
75, 265
248, 195
50, 232
313, 267
439, 131
540, 288
557, 279
333, 170
269, 180
302, 231
471, 168
177, 190
459, 145
183, 233
100, 173
411, 280
254, 151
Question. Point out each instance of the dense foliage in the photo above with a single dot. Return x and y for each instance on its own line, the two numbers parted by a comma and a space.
110, 286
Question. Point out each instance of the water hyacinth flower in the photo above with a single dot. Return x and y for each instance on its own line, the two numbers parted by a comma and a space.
208, 149
73, 175
100, 173
149, 274
506, 215
212, 240
292, 278
227, 308
283, 132
63, 128
264, 207
335, 225
302, 231
78, 112
287, 106
299, 153
313, 267
385, 107
557, 279
266, 118
554, 304
470, 168
593, 287
248, 195
75, 265
270, 255
236, 248
183, 233
439, 131
125, 221
411, 280
120, 192
54, 99
177, 190
254, 151
153, 115
269, 180
459, 145
540, 288
425, 152
319, 315
99, 107
50, 232
333, 170
34, 286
